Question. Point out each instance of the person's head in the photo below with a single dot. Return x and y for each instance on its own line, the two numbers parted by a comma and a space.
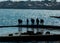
27, 20
41, 21
37, 20
19, 21
32, 20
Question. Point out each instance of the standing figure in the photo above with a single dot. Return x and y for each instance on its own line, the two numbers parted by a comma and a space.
41, 21
37, 21
19, 23
27, 24
32, 21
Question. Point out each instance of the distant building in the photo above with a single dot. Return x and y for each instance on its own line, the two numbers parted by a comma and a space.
29, 0
49, 0
53, 0
9, 0
46, 0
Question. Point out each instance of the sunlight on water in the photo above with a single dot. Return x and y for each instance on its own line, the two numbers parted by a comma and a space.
10, 17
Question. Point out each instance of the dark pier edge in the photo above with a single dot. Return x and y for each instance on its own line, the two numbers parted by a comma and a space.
30, 38
34, 26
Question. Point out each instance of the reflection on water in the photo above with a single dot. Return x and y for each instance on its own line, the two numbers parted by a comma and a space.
10, 17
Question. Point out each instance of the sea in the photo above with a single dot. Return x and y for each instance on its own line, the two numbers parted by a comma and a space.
10, 17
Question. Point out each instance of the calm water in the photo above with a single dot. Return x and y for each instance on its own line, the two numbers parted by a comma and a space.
10, 17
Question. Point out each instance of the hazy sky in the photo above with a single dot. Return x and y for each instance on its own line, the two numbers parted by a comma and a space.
25, 0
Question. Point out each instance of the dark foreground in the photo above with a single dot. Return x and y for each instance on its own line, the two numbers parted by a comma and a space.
30, 38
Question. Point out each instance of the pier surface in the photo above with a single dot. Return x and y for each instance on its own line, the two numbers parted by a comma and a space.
31, 38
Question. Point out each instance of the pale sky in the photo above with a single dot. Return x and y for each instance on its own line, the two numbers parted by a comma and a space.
26, 0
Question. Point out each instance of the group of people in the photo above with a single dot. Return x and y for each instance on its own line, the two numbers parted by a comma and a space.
41, 21
32, 21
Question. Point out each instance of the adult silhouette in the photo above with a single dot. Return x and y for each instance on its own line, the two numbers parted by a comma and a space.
27, 23
37, 21
32, 23
41, 21
19, 23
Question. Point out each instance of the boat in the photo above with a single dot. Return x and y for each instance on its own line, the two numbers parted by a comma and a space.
46, 4
55, 17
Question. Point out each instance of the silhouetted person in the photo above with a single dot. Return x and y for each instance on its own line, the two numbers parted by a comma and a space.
19, 23
41, 21
27, 23
32, 21
37, 21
